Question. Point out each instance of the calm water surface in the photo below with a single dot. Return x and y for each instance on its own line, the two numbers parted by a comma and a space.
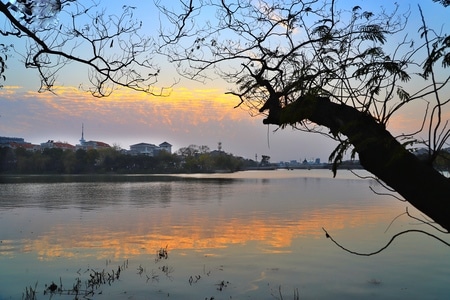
258, 233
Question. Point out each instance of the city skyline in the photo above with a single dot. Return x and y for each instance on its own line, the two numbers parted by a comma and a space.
82, 140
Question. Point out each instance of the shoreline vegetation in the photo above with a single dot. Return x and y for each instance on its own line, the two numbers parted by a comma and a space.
139, 177
112, 161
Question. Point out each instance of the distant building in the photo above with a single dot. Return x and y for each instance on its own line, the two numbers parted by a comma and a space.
150, 149
143, 148
88, 145
166, 147
312, 161
26, 146
15, 142
4, 140
50, 144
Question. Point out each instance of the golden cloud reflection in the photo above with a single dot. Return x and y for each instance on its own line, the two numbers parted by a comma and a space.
272, 233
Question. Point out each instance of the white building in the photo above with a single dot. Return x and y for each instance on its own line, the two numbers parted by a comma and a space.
166, 147
150, 149
87, 145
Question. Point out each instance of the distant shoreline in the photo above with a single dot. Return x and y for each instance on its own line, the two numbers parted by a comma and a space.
111, 176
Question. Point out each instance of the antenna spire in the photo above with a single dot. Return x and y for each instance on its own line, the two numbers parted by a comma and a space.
82, 141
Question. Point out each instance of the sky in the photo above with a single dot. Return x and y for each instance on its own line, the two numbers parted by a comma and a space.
194, 113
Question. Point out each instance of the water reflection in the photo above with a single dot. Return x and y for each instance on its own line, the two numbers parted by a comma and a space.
128, 235
257, 222
124, 219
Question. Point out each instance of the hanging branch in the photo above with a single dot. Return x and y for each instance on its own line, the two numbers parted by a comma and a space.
327, 235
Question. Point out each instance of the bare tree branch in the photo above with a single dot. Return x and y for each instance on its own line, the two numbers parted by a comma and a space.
395, 236
346, 69
110, 46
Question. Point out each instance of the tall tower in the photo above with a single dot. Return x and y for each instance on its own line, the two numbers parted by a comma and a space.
82, 140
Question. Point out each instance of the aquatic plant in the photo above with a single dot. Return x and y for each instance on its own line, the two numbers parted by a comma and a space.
30, 293
88, 288
162, 253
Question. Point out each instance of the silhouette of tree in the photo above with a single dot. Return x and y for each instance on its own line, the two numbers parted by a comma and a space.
59, 32
443, 2
316, 65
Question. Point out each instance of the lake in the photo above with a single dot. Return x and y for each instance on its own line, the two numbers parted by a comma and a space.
245, 235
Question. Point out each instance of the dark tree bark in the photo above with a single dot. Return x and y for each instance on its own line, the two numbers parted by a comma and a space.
379, 153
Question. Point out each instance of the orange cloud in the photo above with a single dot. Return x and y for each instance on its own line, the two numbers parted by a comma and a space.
181, 106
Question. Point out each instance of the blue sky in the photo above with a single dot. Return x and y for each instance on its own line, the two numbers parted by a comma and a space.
194, 113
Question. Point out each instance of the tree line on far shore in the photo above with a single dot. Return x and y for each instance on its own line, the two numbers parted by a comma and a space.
191, 159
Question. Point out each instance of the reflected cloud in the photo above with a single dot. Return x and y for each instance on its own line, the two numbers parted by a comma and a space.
202, 232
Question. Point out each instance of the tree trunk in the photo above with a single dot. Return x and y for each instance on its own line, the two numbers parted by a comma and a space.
379, 153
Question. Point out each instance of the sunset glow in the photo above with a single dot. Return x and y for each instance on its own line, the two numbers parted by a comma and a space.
203, 233
184, 116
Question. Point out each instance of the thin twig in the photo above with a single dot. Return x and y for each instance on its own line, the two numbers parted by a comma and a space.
387, 245
426, 222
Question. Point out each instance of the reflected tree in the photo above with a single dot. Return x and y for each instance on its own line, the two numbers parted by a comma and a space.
324, 67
